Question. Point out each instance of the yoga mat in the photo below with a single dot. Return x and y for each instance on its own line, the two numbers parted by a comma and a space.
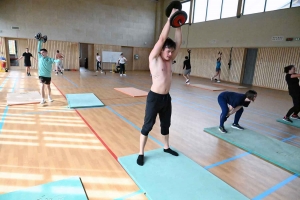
274, 151
17, 98
167, 177
71, 189
132, 92
296, 123
230, 85
84, 100
207, 87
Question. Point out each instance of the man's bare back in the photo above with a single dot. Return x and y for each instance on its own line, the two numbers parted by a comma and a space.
161, 75
59, 56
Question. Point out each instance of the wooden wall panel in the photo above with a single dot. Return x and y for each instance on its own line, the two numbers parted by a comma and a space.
2, 47
69, 49
270, 64
143, 62
203, 63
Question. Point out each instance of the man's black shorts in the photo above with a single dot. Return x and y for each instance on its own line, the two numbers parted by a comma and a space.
45, 80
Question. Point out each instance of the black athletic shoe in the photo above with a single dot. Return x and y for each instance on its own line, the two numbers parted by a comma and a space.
287, 119
237, 126
29, 74
222, 129
295, 117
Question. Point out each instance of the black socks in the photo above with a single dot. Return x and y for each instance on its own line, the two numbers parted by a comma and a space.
140, 160
170, 151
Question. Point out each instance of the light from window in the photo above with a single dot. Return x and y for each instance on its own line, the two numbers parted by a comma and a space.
12, 47
277, 4
186, 8
200, 11
295, 3
254, 6
214, 9
229, 8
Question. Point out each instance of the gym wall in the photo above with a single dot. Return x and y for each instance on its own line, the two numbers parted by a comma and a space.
112, 22
2, 47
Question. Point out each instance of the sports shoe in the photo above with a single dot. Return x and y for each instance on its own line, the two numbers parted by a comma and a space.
97, 71
187, 80
124, 74
237, 126
120, 74
222, 129
42, 101
295, 117
287, 119
56, 73
29, 74
211, 78
50, 99
102, 72
218, 81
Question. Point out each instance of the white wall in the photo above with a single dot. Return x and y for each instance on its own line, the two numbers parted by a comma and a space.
254, 30
114, 22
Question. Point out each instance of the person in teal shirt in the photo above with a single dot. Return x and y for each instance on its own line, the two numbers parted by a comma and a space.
44, 71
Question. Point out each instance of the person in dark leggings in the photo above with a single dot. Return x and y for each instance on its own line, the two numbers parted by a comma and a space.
294, 91
187, 67
232, 102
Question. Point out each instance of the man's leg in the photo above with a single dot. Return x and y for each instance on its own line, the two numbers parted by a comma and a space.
238, 115
49, 92
165, 123
42, 91
149, 121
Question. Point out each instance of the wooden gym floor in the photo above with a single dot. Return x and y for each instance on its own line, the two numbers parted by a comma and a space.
44, 143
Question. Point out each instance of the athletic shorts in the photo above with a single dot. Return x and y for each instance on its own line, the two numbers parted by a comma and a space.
187, 71
45, 80
218, 69
59, 64
27, 64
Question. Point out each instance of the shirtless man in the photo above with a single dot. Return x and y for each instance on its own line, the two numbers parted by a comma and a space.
59, 65
159, 99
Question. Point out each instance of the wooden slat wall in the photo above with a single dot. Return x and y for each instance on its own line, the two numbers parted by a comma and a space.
98, 48
69, 49
2, 47
203, 63
270, 64
143, 62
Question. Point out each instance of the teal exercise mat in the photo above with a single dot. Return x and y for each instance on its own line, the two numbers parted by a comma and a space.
296, 123
85, 100
70, 188
167, 177
274, 151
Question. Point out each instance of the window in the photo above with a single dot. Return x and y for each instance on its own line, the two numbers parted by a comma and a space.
186, 7
12, 47
254, 6
229, 8
295, 3
277, 4
214, 9
200, 11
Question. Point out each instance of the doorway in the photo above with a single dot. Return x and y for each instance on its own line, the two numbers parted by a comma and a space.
13, 53
249, 66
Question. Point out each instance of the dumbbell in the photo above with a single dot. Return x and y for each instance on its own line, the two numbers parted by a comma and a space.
178, 18
39, 37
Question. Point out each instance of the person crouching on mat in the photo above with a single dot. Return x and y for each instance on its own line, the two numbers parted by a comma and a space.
187, 66
232, 102
292, 80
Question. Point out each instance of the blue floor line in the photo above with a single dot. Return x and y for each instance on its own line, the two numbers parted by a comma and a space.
130, 195
70, 81
227, 160
276, 187
133, 125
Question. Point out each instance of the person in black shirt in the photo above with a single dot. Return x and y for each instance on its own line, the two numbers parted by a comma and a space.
230, 103
294, 91
27, 63
187, 66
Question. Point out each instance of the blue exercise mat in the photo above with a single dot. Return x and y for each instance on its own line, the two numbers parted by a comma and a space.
86, 100
71, 189
296, 123
274, 151
167, 177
